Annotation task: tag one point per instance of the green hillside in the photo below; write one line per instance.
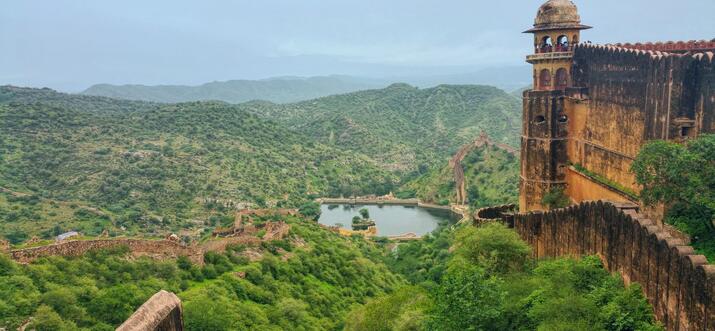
(279, 90)
(155, 166)
(402, 126)
(491, 177)
(307, 281)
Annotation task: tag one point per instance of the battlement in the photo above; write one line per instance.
(691, 46)
(652, 51)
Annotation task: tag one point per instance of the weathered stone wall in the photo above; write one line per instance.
(580, 187)
(674, 46)
(162, 312)
(679, 284)
(543, 146)
(159, 249)
(634, 96)
(491, 213)
(622, 98)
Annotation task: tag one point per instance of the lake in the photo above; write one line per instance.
(391, 220)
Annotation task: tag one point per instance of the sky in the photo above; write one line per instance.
(69, 45)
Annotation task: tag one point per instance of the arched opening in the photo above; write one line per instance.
(545, 79)
(562, 44)
(574, 40)
(539, 119)
(546, 45)
(563, 118)
(562, 79)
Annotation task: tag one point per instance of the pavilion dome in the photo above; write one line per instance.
(558, 14)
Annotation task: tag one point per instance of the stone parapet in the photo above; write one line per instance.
(679, 284)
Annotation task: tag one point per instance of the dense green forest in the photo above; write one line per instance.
(278, 90)
(491, 177)
(481, 278)
(307, 281)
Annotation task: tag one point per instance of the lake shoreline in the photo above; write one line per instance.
(457, 209)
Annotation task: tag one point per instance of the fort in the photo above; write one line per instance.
(595, 106)
(591, 110)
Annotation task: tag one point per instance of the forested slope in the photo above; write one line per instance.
(160, 164)
(403, 126)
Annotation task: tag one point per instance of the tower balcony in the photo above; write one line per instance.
(549, 56)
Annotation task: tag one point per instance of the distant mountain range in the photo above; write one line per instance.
(295, 89)
(278, 90)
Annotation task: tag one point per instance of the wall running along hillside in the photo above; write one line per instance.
(679, 284)
(156, 249)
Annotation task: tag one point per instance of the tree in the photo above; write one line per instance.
(494, 246)
(310, 210)
(46, 319)
(364, 213)
(466, 299)
(682, 177)
(404, 309)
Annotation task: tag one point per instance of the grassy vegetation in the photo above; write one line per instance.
(605, 181)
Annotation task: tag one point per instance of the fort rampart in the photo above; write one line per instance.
(158, 249)
(679, 284)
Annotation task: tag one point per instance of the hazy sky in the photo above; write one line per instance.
(71, 44)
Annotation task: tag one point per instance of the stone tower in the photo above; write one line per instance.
(556, 30)
(545, 125)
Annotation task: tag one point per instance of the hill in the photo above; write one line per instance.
(403, 127)
(88, 163)
(279, 90)
(154, 167)
(491, 177)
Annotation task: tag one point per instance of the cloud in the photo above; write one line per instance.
(487, 47)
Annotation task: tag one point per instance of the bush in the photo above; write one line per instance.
(494, 246)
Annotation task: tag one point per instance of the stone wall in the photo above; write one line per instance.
(679, 284)
(633, 96)
(488, 214)
(162, 312)
(580, 187)
(159, 249)
(674, 46)
(622, 98)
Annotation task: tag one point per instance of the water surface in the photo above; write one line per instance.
(391, 220)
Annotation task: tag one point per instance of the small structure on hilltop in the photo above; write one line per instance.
(67, 235)
(244, 219)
